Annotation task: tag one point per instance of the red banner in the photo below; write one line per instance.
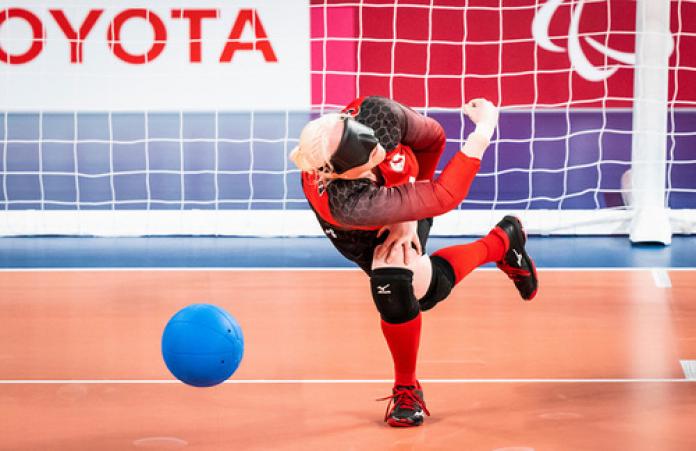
(550, 54)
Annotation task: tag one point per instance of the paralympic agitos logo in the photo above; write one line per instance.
(76, 34)
(578, 58)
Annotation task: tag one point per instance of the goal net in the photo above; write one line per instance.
(596, 135)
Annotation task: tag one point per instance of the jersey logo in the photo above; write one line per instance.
(330, 232)
(397, 162)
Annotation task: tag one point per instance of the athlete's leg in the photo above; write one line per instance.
(435, 276)
(504, 245)
(394, 292)
(464, 258)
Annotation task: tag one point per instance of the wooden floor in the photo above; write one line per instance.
(593, 363)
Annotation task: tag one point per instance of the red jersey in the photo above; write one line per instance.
(405, 190)
(399, 167)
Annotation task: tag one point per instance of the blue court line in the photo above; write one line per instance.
(208, 252)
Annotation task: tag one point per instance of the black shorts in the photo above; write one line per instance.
(359, 245)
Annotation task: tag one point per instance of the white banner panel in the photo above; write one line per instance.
(154, 55)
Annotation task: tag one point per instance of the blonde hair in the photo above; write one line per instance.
(313, 154)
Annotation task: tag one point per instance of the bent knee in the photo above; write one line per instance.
(418, 264)
(392, 292)
(441, 283)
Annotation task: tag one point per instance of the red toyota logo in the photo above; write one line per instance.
(195, 17)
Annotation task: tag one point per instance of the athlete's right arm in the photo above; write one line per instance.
(363, 203)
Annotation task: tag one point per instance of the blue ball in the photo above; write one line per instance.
(202, 345)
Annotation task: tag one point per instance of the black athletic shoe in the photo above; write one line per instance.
(516, 263)
(407, 406)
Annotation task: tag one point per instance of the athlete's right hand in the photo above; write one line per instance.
(482, 111)
(484, 114)
(401, 237)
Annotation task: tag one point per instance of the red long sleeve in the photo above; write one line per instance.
(362, 203)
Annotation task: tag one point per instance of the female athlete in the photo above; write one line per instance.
(368, 175)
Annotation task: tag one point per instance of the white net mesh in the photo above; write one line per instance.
(562, 72)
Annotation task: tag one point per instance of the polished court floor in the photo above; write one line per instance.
(596, 362)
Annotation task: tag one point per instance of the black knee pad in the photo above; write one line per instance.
(441, 283)
(392, 291)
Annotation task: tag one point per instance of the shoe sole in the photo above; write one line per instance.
(402, 424)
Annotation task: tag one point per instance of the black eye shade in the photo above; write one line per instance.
(355, 147)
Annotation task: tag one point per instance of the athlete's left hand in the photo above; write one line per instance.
(402, 236)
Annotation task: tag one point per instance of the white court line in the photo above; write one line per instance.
(661, 278)
(689, 368)
(347, 381)
(304, 268)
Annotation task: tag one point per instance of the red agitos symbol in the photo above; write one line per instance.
(77, 34)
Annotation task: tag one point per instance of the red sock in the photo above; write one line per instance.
(403, 340)
(464, 258)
